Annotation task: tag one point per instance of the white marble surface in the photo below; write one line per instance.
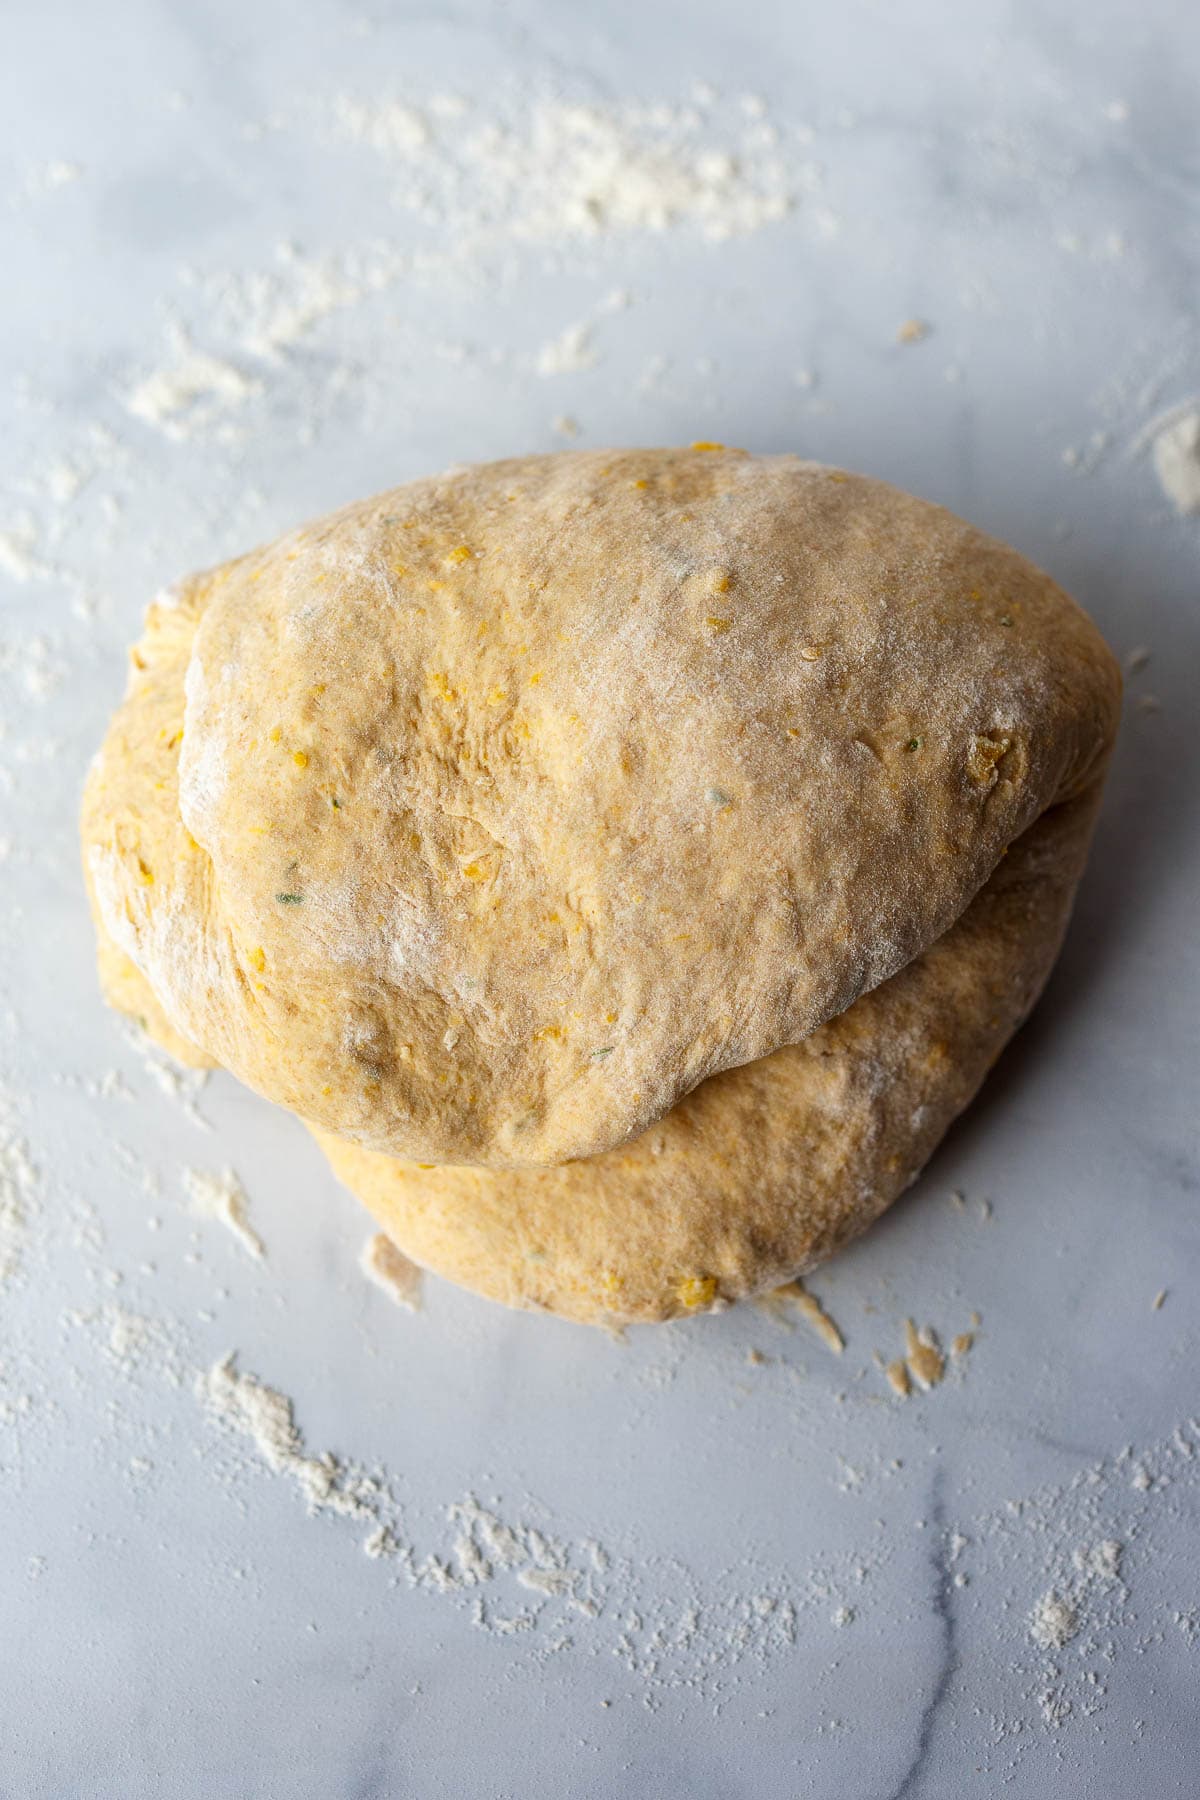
(1024, 178)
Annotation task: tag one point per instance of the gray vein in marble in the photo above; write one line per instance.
(941, 1600)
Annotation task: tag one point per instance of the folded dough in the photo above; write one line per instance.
(482, 822)
(765, 1170)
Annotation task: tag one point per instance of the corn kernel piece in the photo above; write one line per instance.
(705, 444)
(145, 873)
(257, 960)
(300, 759)
(695, 1291)
(716, 625)
(463, 553)
(983, 754)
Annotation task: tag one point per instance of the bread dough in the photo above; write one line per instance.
(484, 820)
(768, 1169)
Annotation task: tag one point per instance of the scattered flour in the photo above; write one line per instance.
(112, 1085)
(1101, 1560)
(1053, 1621)
(32, 660)
(692, 1635)
(171, 1078)
(571, 351)
(553, 170)
(222, 1196)
(268, 312)
(696, 1632)
(265, 1416)
(48, 177)
(191, 391)
(388, 126)
(19, 1182)
(388, 1267)
(1177, 461)
(131, 1343)
(20, 558)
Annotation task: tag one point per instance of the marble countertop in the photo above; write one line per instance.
(261, 259)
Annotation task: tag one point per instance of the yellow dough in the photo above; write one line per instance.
(483, 821)
(768, 1169)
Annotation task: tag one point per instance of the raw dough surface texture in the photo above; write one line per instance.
(483, 821)
(768, 1169)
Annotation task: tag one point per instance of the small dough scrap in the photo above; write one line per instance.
(384, 1264)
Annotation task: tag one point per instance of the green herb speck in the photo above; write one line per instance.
(914, 743)
(605, 1050)
(335, 803)
(290, 899)
(1004, 619)
(716, 797)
